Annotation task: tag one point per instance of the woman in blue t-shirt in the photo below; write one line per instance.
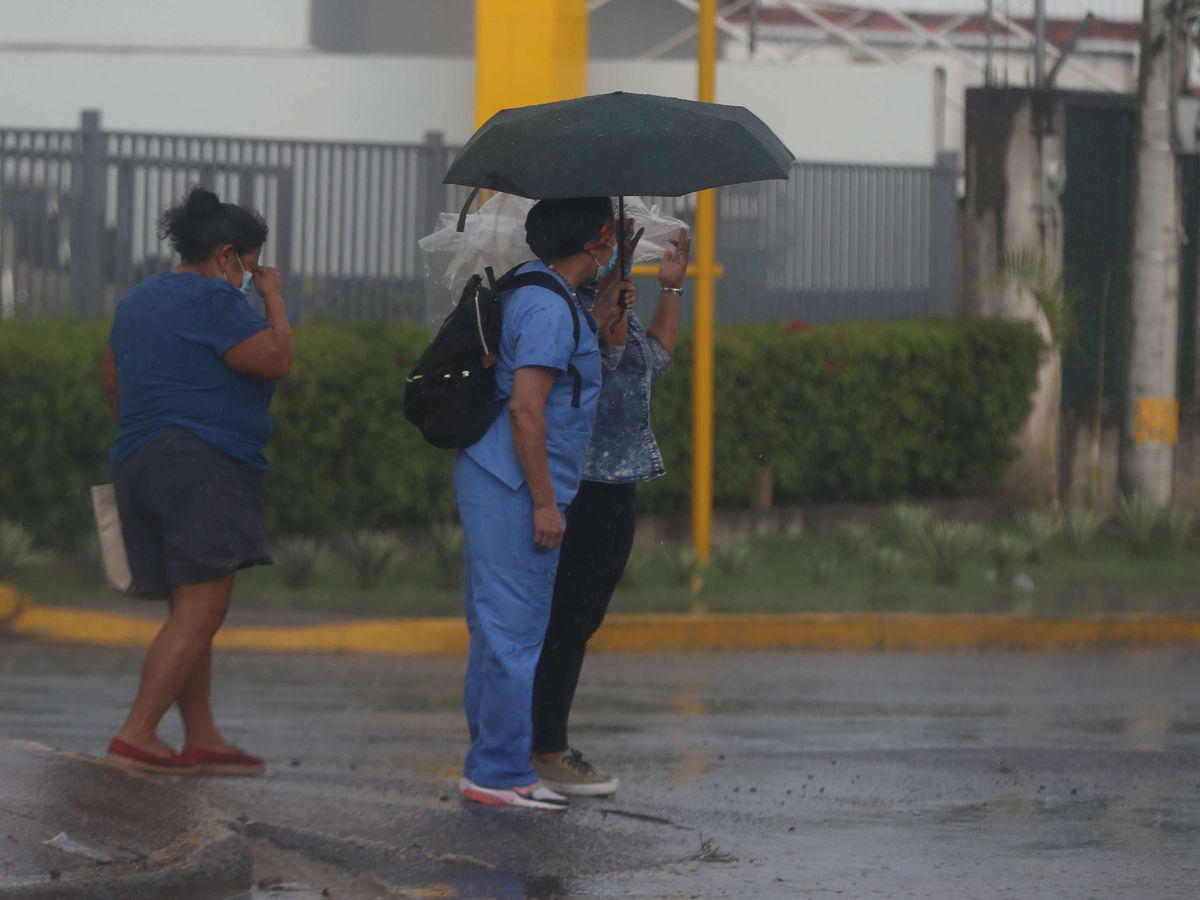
(189, 375)
(513, 486)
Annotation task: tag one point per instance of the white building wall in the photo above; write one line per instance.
(261, 25)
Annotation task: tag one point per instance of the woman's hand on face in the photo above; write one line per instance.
(673, 268)
(548, 527)
(268, 281)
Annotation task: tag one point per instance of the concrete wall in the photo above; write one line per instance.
(1006, 209)
(824, 112)
(839, 113)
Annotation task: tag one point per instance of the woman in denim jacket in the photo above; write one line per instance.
(600, 524)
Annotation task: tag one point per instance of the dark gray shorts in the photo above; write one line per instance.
(189, 513)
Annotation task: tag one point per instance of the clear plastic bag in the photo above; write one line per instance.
(494, 236)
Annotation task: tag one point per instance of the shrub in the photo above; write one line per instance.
(735, 560)
(447, 543)
(1006, 551)
(683, 564)
(857, 411)
(1079, 528)
(1179, 524)
(856, 541)
(296, 559)
(16, 549)
(1139, 518)
(1039, 529)
(947, 545)
(907, 523)
(371, 554)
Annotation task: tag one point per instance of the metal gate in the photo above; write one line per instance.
(79, 212)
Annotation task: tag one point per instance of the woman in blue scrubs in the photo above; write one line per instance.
(514, 485)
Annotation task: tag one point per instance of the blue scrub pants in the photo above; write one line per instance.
(509, 588)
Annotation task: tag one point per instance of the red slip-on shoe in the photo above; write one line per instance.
(211, 762)
(131, 757)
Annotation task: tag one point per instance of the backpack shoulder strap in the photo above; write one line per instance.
(511, 282)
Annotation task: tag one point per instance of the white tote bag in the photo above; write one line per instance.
(112, 541)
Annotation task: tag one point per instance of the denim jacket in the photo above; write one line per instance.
(623, 449)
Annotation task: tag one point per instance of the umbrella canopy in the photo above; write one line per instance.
(619, 144)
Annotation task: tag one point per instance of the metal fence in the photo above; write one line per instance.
(79, 211)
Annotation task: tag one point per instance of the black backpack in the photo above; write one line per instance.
(451, 393)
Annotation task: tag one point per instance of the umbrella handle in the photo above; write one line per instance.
(462, 216)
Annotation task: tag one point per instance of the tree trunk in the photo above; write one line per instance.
(1151, 405)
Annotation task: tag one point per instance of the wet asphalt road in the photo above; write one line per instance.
(773, 775)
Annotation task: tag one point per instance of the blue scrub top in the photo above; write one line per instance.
(538, 330)
(168, 337)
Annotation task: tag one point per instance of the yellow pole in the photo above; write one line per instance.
(528, 51)
(705, 311)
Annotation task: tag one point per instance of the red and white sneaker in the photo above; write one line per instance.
(533, 796)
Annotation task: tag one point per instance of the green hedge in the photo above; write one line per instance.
(857, 412)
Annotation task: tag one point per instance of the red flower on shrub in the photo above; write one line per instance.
(797, 326)
(830, 367)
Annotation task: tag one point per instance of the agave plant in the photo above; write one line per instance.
(1080, 527)
(946, 546)
(884, 564)
(908, 521)
(1006, 551)
(820, 567)
(1039, 529)
(1139, 517)
(735, 560)
(684, 565)
(1180, 524)
(447, 544)
(371, 554)
(296, 559)
(16, 548)
(856, 541)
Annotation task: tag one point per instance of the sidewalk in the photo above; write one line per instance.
(283, 631)
(114, 835)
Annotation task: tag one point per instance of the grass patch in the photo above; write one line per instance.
(856, 572)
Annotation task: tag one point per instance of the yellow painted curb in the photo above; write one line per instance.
(890, 632)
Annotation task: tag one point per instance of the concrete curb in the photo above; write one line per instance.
(861, 632)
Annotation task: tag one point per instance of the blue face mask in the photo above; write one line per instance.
(247, 278)
(605, 270)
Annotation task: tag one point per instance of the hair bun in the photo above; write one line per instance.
(202, 203)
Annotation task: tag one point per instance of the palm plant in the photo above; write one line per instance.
(855, 541)
(1080, 527)
(1006, 550)
(735, 560)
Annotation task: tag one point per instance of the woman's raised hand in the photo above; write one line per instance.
(673, 268)
(268, 281)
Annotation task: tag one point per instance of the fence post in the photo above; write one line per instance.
(943, 234)
(87, 226)
(432, 162)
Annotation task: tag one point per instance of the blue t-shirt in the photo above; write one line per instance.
(538, 330)
(168, 337)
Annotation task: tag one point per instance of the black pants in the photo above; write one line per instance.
(595, 551)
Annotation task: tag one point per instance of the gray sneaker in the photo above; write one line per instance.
(573, 775)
